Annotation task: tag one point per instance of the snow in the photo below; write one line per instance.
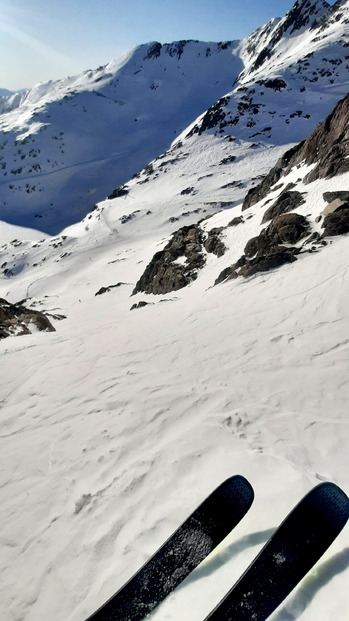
(116, 426)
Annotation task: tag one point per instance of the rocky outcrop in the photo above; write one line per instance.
(121, 190)
(214, 117)
(327, 148)
(342, 195)
(109, 288)
(214, 243)
(337, 223)
(178, 263)
(17, 320)
(303, 13)
(287, 201)
(260, 191)
(265, 252)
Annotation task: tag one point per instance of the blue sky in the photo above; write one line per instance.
(49, 39)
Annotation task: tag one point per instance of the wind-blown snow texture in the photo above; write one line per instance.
(116, 426)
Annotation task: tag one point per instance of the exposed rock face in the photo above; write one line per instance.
(214, 117)
(288, 229)
(263, 253)
(260, 191)
(327, 147)
(303, 13)
(121, 190)
(176, 265)
(16, 320)
(287, 201)
(213, 243)
(337, 223)
(342, 195)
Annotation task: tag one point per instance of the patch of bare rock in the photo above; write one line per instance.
(266, 251)
(178, 263)
(17, 320)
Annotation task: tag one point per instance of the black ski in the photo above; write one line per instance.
(290, 553)
(183, 551)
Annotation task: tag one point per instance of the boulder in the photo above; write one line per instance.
(337, 223)
(331, 196)
(176, 265)
(287, 201)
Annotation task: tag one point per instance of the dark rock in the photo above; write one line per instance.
(287, 201)
(227, 274)
(16, 320)
(274, 258)
(164, 273)
(121, 190)
(236, 221)
(214, 244)
(275, 84)
(109, 288)
(263, 253)
(261, 190)
(154, 51)
(140, 304)
(337, 223)
(327, 147)
(288, 228)
(214, 117)
(228, 160)
(329, 197)
(189, 190)
(257, 245)
(128, 217)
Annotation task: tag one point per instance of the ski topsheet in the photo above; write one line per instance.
(183, 551)
(290, 553)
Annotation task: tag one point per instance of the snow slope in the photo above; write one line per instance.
(70, 142)
(116, 426)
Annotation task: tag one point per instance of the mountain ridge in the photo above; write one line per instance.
(53, 174)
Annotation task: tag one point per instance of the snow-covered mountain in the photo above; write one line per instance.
(67, 144)
(230, 246)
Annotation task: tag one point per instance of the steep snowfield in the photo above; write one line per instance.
(116, 426)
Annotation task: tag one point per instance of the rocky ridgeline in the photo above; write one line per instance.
(287, 235)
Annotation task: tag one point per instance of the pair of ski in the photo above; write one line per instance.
(290, 553)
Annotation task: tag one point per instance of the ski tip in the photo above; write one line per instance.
(333, 498)
(237, 486)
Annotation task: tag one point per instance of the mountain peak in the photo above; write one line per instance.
(303, 13)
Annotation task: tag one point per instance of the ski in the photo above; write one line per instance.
(204, 529)
(290, 553)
